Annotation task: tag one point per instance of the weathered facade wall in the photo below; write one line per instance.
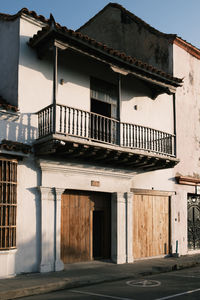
(118, 30)
(155, 180)
(9, 54)
(188, 136)
(187, 112)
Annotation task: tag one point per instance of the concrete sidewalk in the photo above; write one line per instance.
(80, 274)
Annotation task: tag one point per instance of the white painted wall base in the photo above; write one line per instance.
(119, 259)
(118, 233)
(7, 263)
(47, 267)
(59, 266)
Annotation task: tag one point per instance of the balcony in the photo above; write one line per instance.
(75, 133)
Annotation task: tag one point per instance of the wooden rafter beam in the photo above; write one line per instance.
(102, 155)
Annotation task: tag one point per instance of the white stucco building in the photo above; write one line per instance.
(90, 143)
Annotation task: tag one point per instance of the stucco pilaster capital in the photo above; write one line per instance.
(58, 193)
(118, 197)
(47, 193)
(175, 196)
(129, 196)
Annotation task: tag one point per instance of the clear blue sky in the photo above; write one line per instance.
(181, 17)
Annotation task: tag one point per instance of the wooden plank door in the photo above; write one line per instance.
(77, 231)
(75, 227)
(150, 225)
(160, 234)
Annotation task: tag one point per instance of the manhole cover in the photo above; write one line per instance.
(144, 283)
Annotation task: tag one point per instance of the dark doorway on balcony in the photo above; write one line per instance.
(104, 111)
(101, 108)
(101, 123)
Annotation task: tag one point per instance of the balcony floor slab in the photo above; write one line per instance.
(78, 149)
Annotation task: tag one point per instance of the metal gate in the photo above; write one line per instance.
(193, 222)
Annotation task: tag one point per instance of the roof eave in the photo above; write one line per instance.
(194, 51)
(52, 34)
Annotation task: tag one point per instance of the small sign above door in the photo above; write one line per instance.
(95, 183)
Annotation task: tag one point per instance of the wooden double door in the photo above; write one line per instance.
(85, 226)
(150, 225)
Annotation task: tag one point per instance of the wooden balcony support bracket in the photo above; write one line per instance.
(138, 160)
(161, 164)
(113, 156)
(123, 158)
(102, 155)
(149, 163)
(45, 148)
(90, 153)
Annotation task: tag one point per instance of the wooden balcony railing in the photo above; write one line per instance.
(79, 123)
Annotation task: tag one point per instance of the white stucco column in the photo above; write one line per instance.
(58, 262)
(47, 229)
(173, 222)
(118, 228)
(129, 227)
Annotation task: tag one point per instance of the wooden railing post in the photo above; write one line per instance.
(119, 109)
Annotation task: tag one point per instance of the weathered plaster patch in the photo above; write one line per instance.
(191, 78)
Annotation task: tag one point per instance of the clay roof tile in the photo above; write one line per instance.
(7, 106)
(15, 146)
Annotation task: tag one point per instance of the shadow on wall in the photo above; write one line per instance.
(28, 254)
(73, 68)
(22, 129)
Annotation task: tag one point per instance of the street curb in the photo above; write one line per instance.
(74, 283)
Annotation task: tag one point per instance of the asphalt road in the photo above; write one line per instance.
(184, 285)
